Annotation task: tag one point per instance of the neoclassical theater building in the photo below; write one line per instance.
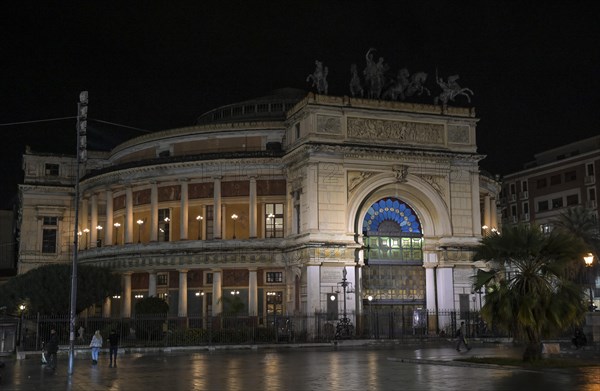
(282, 201)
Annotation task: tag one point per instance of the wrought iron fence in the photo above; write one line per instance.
(168, 331)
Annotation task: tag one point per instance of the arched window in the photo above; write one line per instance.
(392, 233)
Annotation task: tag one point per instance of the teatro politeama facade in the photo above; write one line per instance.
(283, 201)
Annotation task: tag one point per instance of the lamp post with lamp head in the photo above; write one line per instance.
(234, 217)
(117, 225)
(199, 220)
(589, 261)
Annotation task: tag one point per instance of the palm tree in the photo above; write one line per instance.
(528, 294)
(582, 224)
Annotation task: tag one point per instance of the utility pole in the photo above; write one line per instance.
(82, 108)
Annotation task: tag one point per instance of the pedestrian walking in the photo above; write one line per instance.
(113, 339)
(52, 349)
(96, 344)
(461, 337)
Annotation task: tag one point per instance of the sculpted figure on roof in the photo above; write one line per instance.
(319, 78)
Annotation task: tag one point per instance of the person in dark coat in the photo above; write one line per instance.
(52, 348)
(113, 339)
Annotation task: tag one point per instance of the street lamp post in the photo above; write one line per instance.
(139, 223)
(117, 225)
(370, 298)
(98, 239)
(86, 231)
(271, 218)
(199, 220)
(234, 217)
(344, 327)
(22, 308)
(589, 260)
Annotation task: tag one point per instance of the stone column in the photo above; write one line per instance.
(493, 213)
(445, 286)
(108, 230)
(487, 217)
(151, 283)
(183, 223)
(217, 232)
(183, 294)
(312, 197)
(217, 288)
(475, 203)
(84, 215)
(94, 223)
(128, 229)
(223, 221)
(154, 212)
(203, 222)
(106, 308)
(126, 297)
(252, 293)
(252, 206)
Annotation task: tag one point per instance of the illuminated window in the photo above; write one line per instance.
(274, 277)
(274, 220)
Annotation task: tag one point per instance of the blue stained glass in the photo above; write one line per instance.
(397, 211)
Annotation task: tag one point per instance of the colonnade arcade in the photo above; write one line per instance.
(132, 218)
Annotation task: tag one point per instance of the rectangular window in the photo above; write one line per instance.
(275, 303)
(555, 180)
(589, 169)
(297, 130)
(557, 203)
(523, 185)
(209, 222)
(52, 169)
(274, 277)
(49, 234)
(543, 206)
(572, 199)
(513, 189)
(162, 279)
(541, 183)
(525, 207)
(209, 278)
(592, 194)
(513, 210)
(49, 241)
(274, 220)
(570, 176)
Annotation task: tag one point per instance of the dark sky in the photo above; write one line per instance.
(534, 66)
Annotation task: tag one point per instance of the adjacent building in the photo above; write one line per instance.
(557, 179)
(286, 202)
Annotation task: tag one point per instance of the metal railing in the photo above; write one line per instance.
(169, 331)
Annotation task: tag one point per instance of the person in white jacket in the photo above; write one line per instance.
(96, 344)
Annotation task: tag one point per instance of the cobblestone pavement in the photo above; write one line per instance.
(325, 368)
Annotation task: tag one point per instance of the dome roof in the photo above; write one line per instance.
(269, 107)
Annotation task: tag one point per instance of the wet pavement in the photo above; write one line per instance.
(331, 367)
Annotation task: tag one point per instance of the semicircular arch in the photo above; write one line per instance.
(426, 202)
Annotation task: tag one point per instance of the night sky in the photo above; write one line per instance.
(533, 66)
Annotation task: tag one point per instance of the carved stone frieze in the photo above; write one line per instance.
(355, 178)
(328, 124)
(436, 182)
(387, 131)
(458, 134)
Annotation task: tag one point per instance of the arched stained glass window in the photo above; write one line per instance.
(390, 215)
